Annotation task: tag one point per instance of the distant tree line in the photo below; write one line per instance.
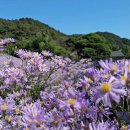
(36, 36)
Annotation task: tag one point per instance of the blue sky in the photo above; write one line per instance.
(73, 16)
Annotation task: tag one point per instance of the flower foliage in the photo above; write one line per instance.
(51, 93)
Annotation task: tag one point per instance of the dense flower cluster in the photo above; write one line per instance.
(49, 92)
(7, 40)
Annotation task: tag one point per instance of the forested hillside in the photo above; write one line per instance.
(36, 36)
(33, 35)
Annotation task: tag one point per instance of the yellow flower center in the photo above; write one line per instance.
(43, 66)
(56, 122)
(125, 127)
(4, 107)
(36, 56)
(12, 70)
(37, 121)
(43, 127)
(124, 78)
(87, 87)
(26, 129)
(14, 78)
(90, 80)
(17, 111)
(107, 75)
(30, 121)
(32, 63)
(29, 54)
(10, 83)
(46, 54)
(17, 94)
(34, 113)
(114, 67)
(69, 89)
(105, 87)
(71, 101)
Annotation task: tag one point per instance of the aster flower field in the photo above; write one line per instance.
(49, 92)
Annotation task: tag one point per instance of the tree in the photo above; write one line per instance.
(90, 53)
(94, 38)
(102, 50)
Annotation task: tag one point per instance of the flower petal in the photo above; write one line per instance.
(115, 97)
(120, 91)
(107, 100)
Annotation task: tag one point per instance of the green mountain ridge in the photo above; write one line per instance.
(35, 36)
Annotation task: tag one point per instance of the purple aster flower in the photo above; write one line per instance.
(125, 78)
(25, 101)
(47, 53)
(36, 56)
(108, 91)
(14, 95)
(6, 105)
(110, 66)
(43, 67)
(17, 94)
(85, 83)
(92, 73)
(21, 53)
(28, 54)
(32, 115)
(59, 61)
(4, 125)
